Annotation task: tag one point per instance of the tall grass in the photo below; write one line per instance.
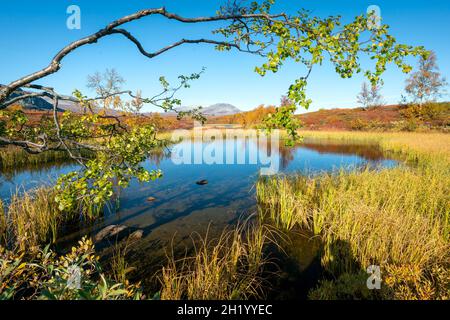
(283, 209)
(34, 217)
(12, 157)
(120, 267)
(396, 218)
(427, 148)
(3, 225)
(223, 268)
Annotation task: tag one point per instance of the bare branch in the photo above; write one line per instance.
(178, 43)
(30, 147)
(55, 63)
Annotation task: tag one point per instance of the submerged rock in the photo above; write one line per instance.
(109, 232)
(114, 235)
(202, 182)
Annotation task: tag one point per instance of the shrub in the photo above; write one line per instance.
(44, 275)
(359, 124)
(425, 112)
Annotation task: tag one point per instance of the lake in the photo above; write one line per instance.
(229, 192)
(181, 207)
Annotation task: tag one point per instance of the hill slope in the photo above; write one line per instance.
(384, 117)
(392, 117)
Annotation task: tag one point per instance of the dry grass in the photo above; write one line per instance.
(224, 268)
(33, 218)
(394, 218)
(410, 144)
(14, 157)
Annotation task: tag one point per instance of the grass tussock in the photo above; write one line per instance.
(224, 268)
(120, 268)
(34, 217)
(395, 218)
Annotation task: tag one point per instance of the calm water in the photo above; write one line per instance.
(183, 208)
(229, 192)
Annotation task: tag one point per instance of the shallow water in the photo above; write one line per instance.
(183, 208)
(229, 190)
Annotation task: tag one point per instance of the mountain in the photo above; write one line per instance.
(33, 103)
(44, 103)
(218, 109)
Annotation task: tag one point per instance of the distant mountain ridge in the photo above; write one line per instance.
(221, 109)
(33, 103)
(218, 109)
(44, 103)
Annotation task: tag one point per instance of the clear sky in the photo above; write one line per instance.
(33, 31)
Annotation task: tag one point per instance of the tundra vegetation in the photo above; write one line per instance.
(109, 138)
(397, 218)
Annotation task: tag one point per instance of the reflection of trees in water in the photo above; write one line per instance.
(47, 169)
(8, 174)
(159, 155)
(286, 155)
(368, 152)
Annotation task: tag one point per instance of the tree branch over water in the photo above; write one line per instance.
(110, 29)
(121, 144)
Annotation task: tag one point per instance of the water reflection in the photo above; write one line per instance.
(368, 152)
(182, 207)
(230, 182)
(229, 193)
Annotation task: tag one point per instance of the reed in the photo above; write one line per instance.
(424, 147)
(282, 210)
(394, 218)
(223, 268)
(120, 267)
(34, 217)
(13, 157)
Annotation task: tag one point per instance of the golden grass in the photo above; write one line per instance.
(412, 145)
(33, 218)
(223, 268)
(119, 264)
(395, 218)
(14, 157)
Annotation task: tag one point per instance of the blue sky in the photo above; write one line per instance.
(34, 31)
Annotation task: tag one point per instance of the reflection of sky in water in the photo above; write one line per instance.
(230, 189)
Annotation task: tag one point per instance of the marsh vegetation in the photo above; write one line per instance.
(337, 222)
